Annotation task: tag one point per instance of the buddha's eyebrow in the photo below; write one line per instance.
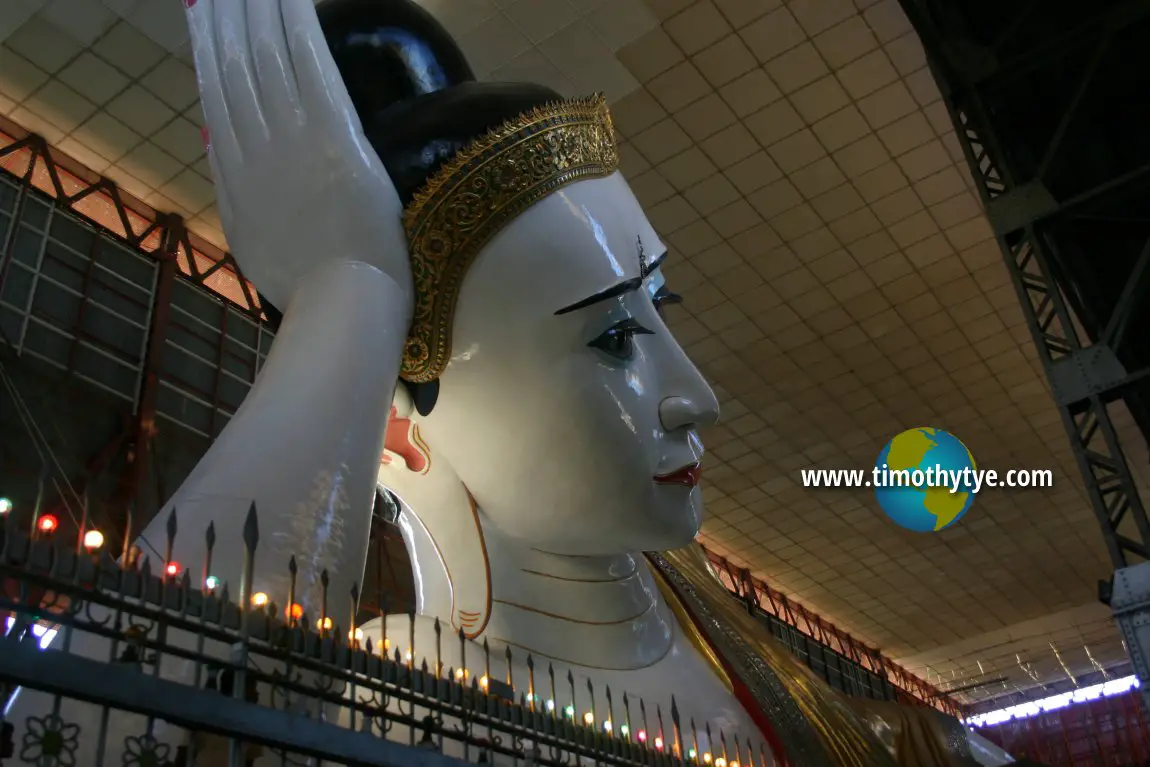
(624, 287)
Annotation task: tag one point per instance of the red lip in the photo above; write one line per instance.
(688, 476)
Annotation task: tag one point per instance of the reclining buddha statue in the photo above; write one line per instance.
(473, 306)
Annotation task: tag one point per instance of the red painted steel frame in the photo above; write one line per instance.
(99, 201)
(163, 236)
(741, 582)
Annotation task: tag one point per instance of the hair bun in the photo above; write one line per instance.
(412, 87)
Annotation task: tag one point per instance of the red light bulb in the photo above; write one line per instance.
(173, 569)
(47, 524)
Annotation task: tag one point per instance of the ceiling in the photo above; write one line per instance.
(841, 284)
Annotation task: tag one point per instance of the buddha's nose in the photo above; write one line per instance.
(687, 412)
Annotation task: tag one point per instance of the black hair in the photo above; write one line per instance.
(412, 87)
(417, 98)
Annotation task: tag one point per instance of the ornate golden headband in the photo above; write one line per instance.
(472, 197)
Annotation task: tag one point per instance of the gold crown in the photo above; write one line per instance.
(472, 197)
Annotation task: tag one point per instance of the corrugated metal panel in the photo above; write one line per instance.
(72, 297)
(82, 300)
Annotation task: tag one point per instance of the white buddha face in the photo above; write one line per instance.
(568, 409)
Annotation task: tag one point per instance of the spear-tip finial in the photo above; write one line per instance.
(251, 528)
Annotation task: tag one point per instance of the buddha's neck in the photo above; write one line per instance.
(598, 612)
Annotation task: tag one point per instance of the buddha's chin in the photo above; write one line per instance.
(680, 516)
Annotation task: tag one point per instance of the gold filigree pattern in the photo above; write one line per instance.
(471, 198)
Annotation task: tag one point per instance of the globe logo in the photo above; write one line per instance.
(924, 479)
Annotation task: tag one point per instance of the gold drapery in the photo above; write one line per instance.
(815, 725)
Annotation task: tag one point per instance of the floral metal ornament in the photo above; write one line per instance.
(49, 741)
(145, 751)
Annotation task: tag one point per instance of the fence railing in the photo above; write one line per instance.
(152, 664)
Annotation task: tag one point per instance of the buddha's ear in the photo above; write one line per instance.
(411, 398)
(421, 395)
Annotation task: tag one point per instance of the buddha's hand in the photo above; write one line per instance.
(299, 186)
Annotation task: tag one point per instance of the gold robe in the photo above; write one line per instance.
(802, 717)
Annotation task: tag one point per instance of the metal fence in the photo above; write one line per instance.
(131, 663)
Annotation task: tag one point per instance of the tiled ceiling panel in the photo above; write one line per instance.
(111, 83)
(841, 284)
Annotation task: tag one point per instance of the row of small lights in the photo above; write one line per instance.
(94, 540)
(48, 524)
(589, 720)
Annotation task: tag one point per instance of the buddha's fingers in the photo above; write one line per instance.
(201, 27)
(223, 201)
(322, 92)
(275, 72)
(238, 75)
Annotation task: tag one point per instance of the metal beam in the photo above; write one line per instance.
(17, 215)
(1084, 395)
(1115, 332)
(144, 419)
(1055, 146)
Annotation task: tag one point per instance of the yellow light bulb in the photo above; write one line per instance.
(588, 718)
(259, 599)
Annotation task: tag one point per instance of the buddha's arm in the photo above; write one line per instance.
(304, 447)
(315, 223)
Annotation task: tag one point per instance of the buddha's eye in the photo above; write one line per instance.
(616, 340)
(664, 297)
